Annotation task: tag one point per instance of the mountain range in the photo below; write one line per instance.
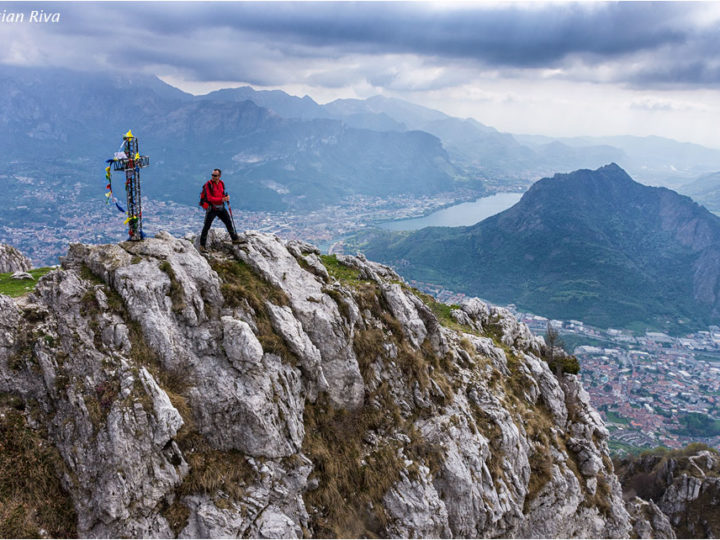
(289, 153)
(50, 116)
(590, 245)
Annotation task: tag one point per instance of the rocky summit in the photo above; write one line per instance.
(266, 390)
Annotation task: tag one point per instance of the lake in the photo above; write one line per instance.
(459, 215)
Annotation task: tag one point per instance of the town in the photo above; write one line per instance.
(96, 222)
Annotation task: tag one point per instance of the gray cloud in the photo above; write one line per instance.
(271, 43)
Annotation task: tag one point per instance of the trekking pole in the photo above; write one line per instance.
(231, 217)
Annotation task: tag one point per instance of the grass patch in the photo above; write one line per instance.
(612, 416)
(100, 401)
(619, 449)
(340, 271)
(442, 311)
(368, 347)
(177, 515)
(340, 300)
(538, 423)
(18, 287)
(240, 282)
(177, 296)
(669, 453)
(214, 472)
(31, 495)
(352, 479)
(89, 275)
(242, 287)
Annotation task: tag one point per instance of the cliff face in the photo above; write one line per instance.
(266, 391)
(683, 484)
(11, 260)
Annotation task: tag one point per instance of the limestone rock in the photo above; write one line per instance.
(648, 520)
(415, 509)
(11, 260)
(683, 485)
(246, 392)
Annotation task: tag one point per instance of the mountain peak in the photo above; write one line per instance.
(592, 245)
(266, 390)
(612, 168)
(612, 172)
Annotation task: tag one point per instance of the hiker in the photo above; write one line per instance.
(213, 199)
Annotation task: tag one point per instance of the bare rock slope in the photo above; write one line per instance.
(11, 260)
(682, 486)
(265, 390)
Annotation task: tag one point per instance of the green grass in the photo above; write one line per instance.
(19, 287)
(338, 270)
(240, 284)
(443, 312)
(177, 296)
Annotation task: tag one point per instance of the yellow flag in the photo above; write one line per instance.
(129, 134)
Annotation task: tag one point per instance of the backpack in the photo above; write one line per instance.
(203, 198)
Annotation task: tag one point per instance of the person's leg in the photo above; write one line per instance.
(209, 217)
(225, 218)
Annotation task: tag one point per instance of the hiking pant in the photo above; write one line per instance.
(210, 216)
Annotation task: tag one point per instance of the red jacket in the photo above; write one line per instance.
(214, 192)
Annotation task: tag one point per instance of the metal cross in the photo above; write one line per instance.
(131, 164)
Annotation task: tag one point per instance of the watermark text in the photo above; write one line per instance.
(34, 16)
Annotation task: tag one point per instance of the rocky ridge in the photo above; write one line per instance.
(682, 487)
(268, 391)
(11, 260)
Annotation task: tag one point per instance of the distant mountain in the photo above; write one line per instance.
(74, 121)
(482, 152)
(48, 113)
(279, 152)
(279, 102)
(650, 160)
(590, 245)
(409, 114)
(469, 143)
(498, 155)
(705, 190)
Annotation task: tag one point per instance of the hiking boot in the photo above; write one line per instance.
(202, 249)
(237, 240)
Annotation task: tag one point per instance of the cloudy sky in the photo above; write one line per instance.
(588, 68)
